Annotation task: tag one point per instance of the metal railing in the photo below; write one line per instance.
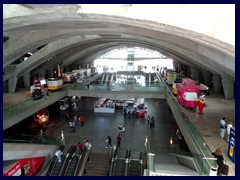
(127, 162)
(141, 163)
(113, 160)
(26, 138)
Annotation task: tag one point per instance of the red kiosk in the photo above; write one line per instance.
(187, 93)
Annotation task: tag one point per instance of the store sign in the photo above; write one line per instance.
(231, 145)
(26, 167)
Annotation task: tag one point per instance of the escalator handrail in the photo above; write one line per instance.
(113, 162)
(68, 164)
(127, 162)
(71, 151)
(141, 163)
(82, 163)
(51, 166)
(79, 160)
(53, 162)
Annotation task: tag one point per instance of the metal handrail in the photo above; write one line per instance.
(79, 161)
(127, 162)
(141, 163)
(83, 162)
(113, 161)
(68, 157)
(53, 162)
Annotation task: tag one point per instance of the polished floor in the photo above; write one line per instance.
(99, 126)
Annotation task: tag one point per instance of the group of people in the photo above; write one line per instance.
(121, 131)
(225, 127)
(74, 121)
(109, 141)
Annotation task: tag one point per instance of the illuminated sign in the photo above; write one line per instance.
(231, 145)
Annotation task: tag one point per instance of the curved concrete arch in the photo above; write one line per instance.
(45, 27)
(172, 31)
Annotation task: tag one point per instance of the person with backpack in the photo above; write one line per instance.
(222, 168)
(109, 141)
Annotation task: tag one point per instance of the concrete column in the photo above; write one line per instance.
(228, 87)
(26, 80)
(184, 68)
(194, 73)
(67, 69)
(188, 71)
(50, 72)
(61, 69)
(217, 85)
(12, 83)
(41, 73)
(207, 78)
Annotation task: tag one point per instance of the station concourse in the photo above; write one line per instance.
(98, 126)
(39, 39)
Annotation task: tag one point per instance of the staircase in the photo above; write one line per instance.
(98, 166)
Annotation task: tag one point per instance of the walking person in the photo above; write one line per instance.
(79, 147)
(123, 129)
(118, 140)
(148, 119)
(81, 119)
(229, 126)
(152, 122)
(58, 154)
(120, 126)
(109, 141)
(145, 114)
(88, 145)
(223, 127)
(72, 125)
(75, 119)
(66, 116)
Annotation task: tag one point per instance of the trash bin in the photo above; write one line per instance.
(213, 170)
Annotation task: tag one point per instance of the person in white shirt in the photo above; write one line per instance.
(58, 154)
(88, 145)
(229, 126)
(223, 125)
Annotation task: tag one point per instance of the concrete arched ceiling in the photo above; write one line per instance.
(76, 37)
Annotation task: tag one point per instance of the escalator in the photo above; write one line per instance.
(134, 168)
(120, 167)
(74, 163)
(107, 78)
(72, 166)
(98, 165)
(131, 165)
(136, 164)
(56, 168)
